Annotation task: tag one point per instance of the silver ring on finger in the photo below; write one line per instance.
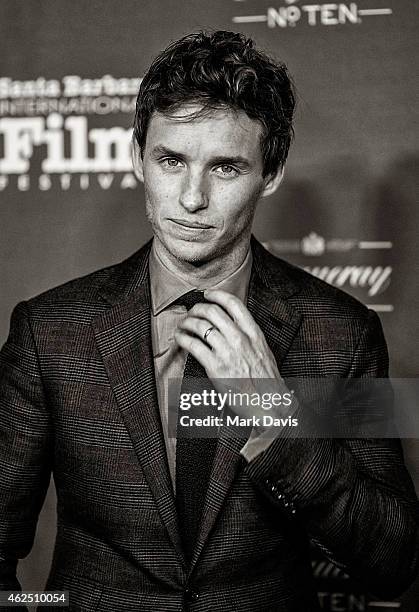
(207, 332)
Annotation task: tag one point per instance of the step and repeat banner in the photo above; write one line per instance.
(70, 203)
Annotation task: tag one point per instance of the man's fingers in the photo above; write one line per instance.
(216, 316)
(204, 329)
(235, 309)
(201, 351)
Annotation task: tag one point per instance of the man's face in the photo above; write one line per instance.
(202, 180)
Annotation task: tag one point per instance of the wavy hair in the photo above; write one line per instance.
(221, 70)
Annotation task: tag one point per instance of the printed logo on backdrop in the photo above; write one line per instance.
(291, 13)
(370, 281)
(335, 592)
(62, 133)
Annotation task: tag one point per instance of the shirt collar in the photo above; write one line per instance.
(166, 287)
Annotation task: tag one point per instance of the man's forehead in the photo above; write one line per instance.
(197, 115)
(230, 126)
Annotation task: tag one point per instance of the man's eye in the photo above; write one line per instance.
(172, 162)
(227, 170)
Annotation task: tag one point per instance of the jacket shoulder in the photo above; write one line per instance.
(86, 291)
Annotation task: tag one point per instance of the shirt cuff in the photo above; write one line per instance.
(257, 443)
(260, 438)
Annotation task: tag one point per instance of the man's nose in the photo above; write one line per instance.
(193, 195)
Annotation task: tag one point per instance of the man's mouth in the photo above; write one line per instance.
(191, 224)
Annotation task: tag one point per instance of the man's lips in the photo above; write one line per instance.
(192, 224)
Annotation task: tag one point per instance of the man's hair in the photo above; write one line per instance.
(221, 70)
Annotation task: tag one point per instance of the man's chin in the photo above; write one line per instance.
(192, 252)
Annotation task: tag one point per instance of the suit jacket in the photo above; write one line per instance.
(78, 399)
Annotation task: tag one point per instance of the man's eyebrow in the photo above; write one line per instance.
(217, 159)
(230, 159)
(162, 150)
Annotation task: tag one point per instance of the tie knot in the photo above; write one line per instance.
(190, 299)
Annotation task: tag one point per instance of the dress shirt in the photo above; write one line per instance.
(169, 358)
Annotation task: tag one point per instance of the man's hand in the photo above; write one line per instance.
(234, 349)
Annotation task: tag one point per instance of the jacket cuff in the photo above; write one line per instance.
(292, 471)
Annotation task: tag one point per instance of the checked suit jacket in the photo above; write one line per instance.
(78, 400)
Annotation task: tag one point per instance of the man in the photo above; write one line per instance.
(148, 523)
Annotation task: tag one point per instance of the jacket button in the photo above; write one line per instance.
(191, 596)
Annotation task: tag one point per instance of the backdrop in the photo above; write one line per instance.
(69, 73)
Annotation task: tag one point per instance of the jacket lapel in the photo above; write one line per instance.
(123, 335)
(267, 303)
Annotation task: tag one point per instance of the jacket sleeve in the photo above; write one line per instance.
(25, 437)
(354, 497)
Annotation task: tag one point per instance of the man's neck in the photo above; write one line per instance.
(205, 274)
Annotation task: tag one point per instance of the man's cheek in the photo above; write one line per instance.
(237, 221)
(159, 202)
(150, 208)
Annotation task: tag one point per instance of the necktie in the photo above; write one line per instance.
(194, 456)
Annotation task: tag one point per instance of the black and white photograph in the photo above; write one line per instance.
(209, 356)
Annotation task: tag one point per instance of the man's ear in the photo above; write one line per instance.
(272, 182)
(137, 160)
